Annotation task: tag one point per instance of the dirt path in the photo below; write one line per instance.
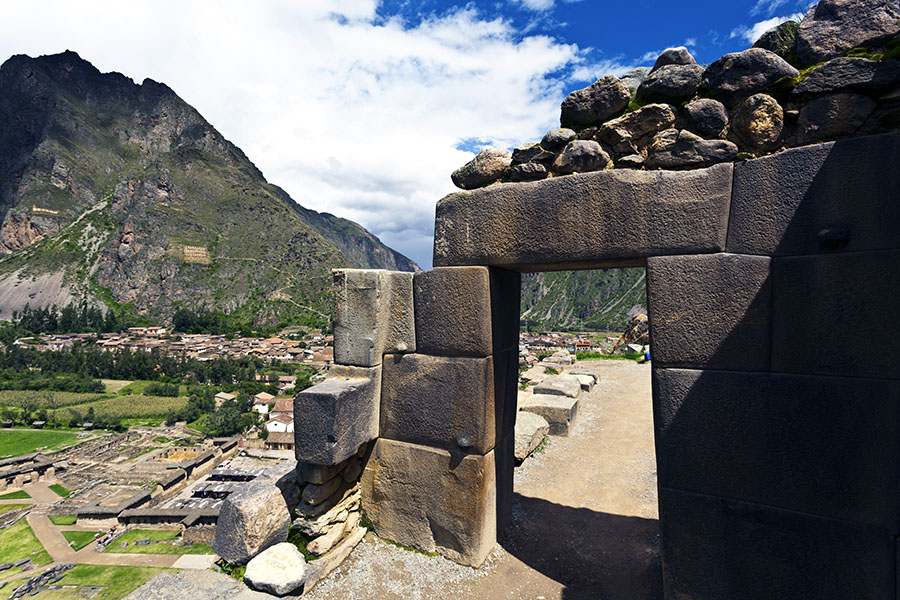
(585, 518)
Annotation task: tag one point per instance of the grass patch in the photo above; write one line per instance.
(297, 538)
(19, 495)
(162, 440)
(600, 356)
(155, 535)
(17, 542)
(551, 371)
(79, 539)
(63, 519)
(15, 442)
(116, 581)
(114, 386)
(5, 508)
(60, 490)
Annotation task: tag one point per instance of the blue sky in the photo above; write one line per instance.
(363, 108)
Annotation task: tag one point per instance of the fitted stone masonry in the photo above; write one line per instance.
(774, 304)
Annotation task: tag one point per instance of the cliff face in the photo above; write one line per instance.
(126, 195)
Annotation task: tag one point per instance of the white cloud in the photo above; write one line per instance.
(690, 42)
(536, 5)
(751, 33)
(766, 7)
(356, 115)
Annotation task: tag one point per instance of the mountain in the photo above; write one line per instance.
(124, 196)
(582, 300)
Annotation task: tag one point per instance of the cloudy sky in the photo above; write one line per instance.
(363, 108)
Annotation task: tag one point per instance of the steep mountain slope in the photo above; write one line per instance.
(590, 300)
(123, 194)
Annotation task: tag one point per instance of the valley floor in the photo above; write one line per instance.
(584, 518)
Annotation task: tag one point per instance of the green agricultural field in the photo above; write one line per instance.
(46, 399)
(132, 407)
(63, 519)
(5, 508)
(60, 490)
(18, 542)
(114, 386)
(138, 388)
(14, 442)
(155, 534)
(79, 539)
(116, 581)
(18, 495)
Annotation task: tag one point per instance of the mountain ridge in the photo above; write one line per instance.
(123, 196)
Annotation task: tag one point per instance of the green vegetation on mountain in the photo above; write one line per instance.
(595, 300)
(123, 197)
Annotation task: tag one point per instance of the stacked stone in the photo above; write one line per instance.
(556, 400)
(678, 115)
(443, 462)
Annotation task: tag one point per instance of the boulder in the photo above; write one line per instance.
(373, 315)
(278, 570)
(673, 149)
(627, 133)
(781, 39)
(250, 520)
(531, 429)
(581, 156)
(530, 171)
(832, 27)
(334, 418)
(759, 121)
(557, 138)
(316, 526)
(672, 81)
(314, 511)
(587, 382)
(532, 153)
(739, 75)
(585, 372)
(709, 117)
(633, 78)
(565, 385)
(630, 161)
(559, 411)
(318, 474)
(595, 103)
(673, 56)
(858, 74)
(488, 166)
(834, 116)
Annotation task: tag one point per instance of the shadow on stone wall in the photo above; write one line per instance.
(593, 554)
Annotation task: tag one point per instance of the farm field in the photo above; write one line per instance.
(15, 442)
(17, 542)
(132, 407)
(45, 399)
(154, 534)
(116, 582)
(113, 386)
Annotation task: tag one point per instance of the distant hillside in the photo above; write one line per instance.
(576, 300)
(124, 196)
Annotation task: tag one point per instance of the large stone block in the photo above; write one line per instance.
(821, 445)
(839, 196)
(563, 385)
(710, 311)
(559, 411)
(506, 289)
(446, 402)
(432, 499)
(593, 219)
(837, 314)
(250, 520)
(716, 549)
(373, 315)
(453, 311)
(334, 418)
(531, 429)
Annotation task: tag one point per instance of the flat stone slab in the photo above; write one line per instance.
(563, 385)
(531, 429)
(559, 411)
(586, 372)
(587, 382)
(589, 219)
(196, 585)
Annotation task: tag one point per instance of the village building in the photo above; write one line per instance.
(261, 402)
(281, 423)
(223, 397)
(280, 441)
